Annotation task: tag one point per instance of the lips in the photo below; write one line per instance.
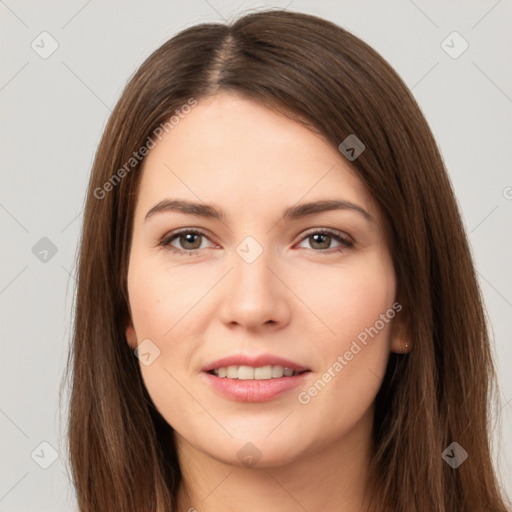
(248, 387)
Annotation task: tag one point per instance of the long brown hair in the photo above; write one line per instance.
(121, 450)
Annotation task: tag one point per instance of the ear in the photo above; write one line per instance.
(400, 335)
(131, 337)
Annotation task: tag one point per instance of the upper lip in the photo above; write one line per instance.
(254, 361)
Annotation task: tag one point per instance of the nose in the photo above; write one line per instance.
(255, 296)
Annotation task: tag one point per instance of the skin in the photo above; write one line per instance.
(302, 299)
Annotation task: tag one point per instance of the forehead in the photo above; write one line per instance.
(232, 150)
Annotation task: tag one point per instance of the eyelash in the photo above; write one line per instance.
(166, 241)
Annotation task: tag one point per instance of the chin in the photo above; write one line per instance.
(256, 451)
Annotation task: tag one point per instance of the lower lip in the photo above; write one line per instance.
(254, 390)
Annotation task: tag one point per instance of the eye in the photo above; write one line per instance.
(190, 241)
(321, 239)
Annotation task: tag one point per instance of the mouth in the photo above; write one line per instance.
(254, 379)
(243, 372)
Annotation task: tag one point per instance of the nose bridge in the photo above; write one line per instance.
(252, 276)
(254, 296)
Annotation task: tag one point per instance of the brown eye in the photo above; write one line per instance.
(322, 240)
(190, 241)
(184, 242)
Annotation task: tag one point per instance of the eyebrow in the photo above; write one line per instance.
(290, 213)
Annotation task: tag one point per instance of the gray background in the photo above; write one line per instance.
(53, 111)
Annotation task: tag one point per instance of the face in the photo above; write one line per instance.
(268, 284)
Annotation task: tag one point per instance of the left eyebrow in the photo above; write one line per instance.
(290, 213)
(302, 210)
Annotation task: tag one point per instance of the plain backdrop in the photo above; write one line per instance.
(54, 107)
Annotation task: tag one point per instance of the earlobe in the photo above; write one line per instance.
(400, 345)
(400, 338)
(131, 337)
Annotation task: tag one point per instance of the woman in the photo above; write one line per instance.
(277, 307)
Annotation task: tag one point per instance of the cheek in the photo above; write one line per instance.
(166, 308)
(351, 298)
(363, 298)
(160, 299)
(358, 308)
(160, 296)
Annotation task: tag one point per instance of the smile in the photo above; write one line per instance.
(243, 372)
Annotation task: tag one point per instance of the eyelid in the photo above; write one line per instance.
(330, 231)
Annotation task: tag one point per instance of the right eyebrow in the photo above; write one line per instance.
(187, 207)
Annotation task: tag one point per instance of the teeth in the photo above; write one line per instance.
(250, 373)
(232, 372)
(245, 372)
(263, 372)
(277, 371)
(288, 372)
